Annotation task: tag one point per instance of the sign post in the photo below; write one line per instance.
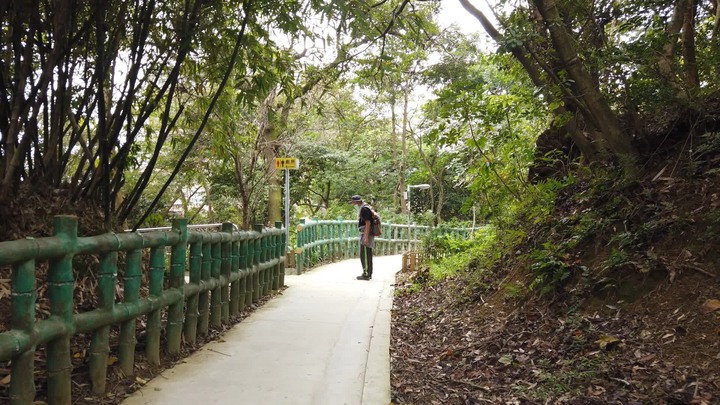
(287, 163)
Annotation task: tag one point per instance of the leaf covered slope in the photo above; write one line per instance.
(611, 299)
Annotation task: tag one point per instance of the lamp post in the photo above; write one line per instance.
(420, 187)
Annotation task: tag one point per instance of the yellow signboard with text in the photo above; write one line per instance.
(290, 163)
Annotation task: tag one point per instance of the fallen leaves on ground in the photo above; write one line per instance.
(446, 351)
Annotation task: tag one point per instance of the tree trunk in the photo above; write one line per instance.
(517, 52)
(435, 180)
(587, 148)
(404, 151)
(715, 38)
(273, 179)
(399, 158)
(584, 88)
(692, 78)
(667, 58)
(440, 201)
(269, 138)
(398, 196)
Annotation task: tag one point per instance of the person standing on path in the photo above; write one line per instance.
(367, 240)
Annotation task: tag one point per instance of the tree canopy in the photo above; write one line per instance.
(142, 105)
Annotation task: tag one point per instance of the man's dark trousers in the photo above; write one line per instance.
(366, 259)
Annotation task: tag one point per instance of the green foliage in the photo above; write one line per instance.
(488, 116)
(450, 266)
(549, 268)
(514, 290)
(441, 241)
(537, 203)
(454, 254)
(343, 151)
(709, 147)
(492, 243)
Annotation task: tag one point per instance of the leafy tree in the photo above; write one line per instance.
(392, 72)
(344, 151)
(485, 116)
(579, 52)
(92, 79)
(84, 84)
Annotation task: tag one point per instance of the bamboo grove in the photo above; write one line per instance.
(87, 86)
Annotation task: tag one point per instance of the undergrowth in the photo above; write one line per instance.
(492, 243)
(594, 229)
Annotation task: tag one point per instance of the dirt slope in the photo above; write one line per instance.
(636, 322)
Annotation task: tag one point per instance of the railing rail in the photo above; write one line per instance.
(326, 240)
(227, 271)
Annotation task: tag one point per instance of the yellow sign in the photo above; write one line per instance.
(287, 163)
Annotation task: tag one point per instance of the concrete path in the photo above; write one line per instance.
(324, 341)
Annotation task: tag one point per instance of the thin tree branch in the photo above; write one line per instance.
(221, 87)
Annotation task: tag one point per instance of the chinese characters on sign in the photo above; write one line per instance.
(287, 163)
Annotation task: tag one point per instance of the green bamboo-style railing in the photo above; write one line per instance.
(326, 241)
(228, 270)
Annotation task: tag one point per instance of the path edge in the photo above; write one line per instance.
(376, 387)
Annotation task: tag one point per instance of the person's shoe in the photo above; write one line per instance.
(363, 277)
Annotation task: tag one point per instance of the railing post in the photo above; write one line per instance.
(152, 332)
(225, 269)
(266, 244)
(262, 273)
(391, 239)
(320, 237)
(308, 248)
(60, 290)
(131, 294)
(394, 232)
(310, 245)
(338, 240)
(191, 313)
(177, 281)
(335, 235)
(22, 374)
(355, 244)
(279, 253)
(347, 236)
(204, 296)
(300, 251)
(235, 270)
(246, 264)
(348, 240)
(100, 342)
(257, 254)
(314, 255)
(215, 295)
(328, 242)
(319, 255)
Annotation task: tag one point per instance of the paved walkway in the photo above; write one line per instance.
(324, 341)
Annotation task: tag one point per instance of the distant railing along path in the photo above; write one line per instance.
(323, 241)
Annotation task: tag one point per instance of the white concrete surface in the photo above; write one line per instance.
(324, 341)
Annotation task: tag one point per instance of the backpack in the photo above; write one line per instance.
(375, 225)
